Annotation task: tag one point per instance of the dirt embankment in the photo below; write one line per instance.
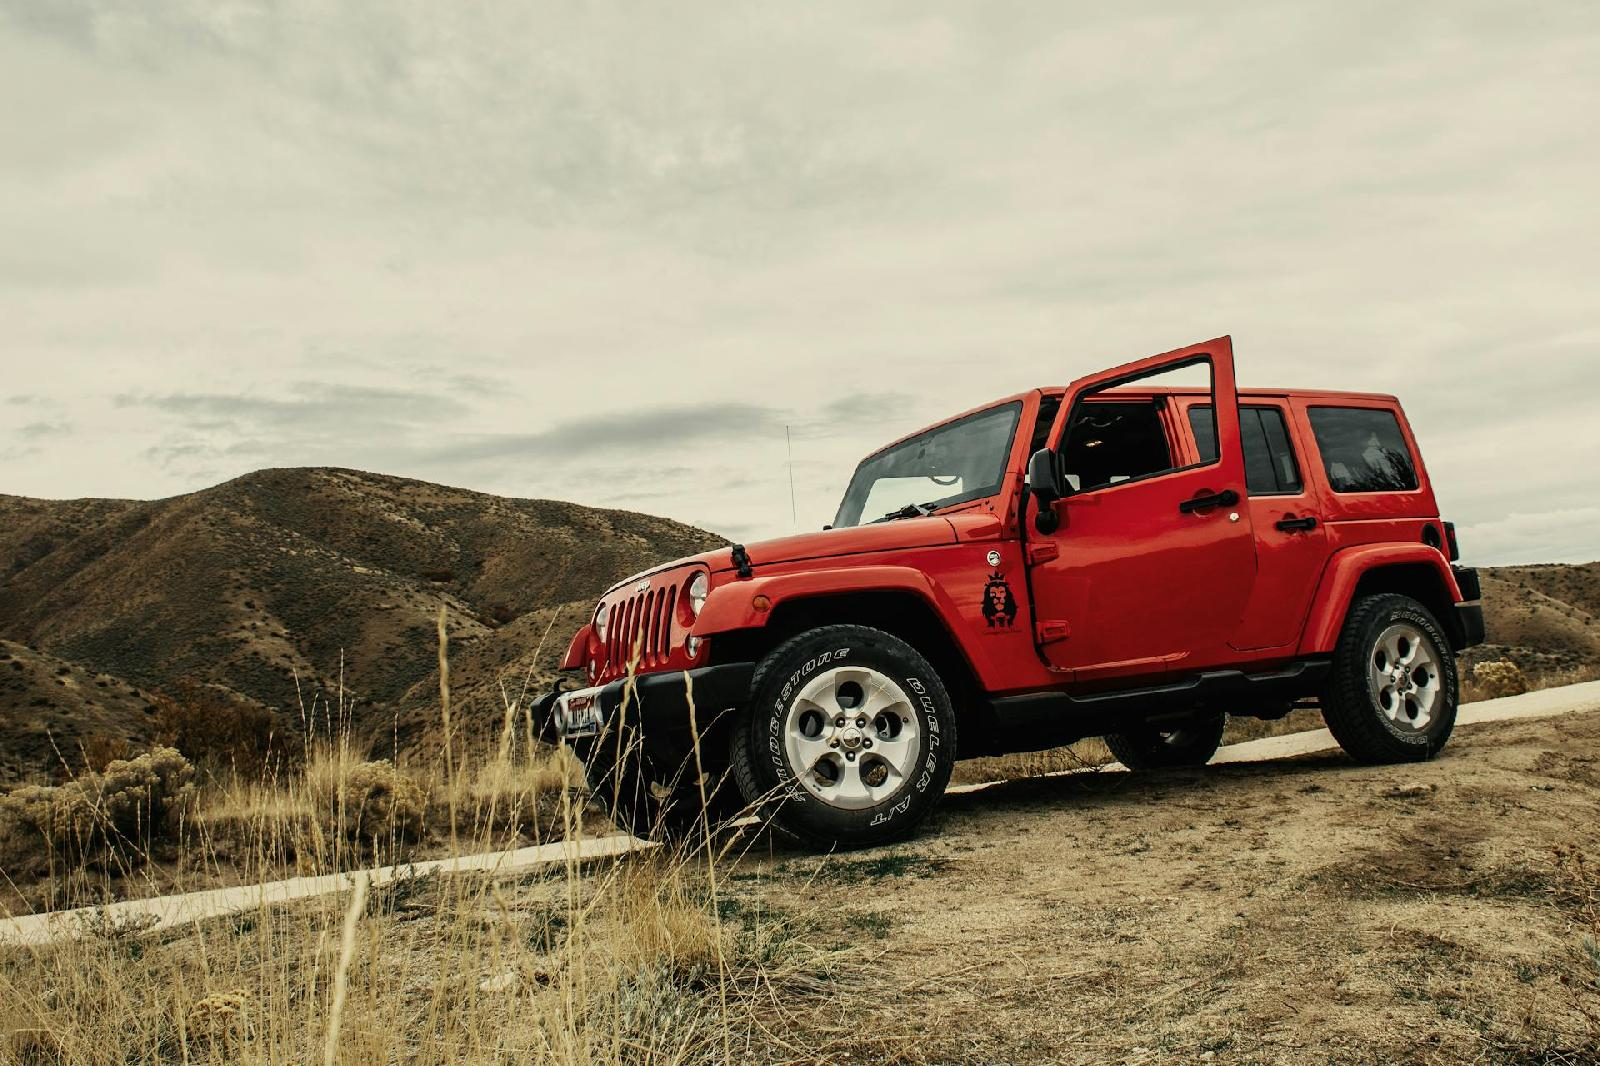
(1309, 910)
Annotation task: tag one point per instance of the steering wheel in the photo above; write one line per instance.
(945, 483)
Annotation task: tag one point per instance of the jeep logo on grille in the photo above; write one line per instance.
(643, 585)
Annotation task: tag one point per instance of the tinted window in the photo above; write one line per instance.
(1363, 449)
(1111, 442)
(1269, 464)
(952, 463)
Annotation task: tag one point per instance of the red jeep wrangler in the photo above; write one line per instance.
(1119, 558)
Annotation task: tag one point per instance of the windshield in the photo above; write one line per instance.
(959, 461)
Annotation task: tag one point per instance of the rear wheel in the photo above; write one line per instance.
(1149, 748)
(1394, 689)
(850, 738)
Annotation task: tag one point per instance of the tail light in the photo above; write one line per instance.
(1453, 550)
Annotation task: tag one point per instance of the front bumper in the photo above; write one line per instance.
(657, 705)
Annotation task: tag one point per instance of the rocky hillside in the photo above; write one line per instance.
(51, 709)
(1543, 618)
(286, 588)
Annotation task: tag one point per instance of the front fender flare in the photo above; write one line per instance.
(1345, 571)
(731, 607)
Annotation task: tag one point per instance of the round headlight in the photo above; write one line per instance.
(600, 617)
(699, 589)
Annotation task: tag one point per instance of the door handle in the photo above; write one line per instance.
(1297, 525)
(1225, 498)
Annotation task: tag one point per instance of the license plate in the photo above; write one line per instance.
(578, 713)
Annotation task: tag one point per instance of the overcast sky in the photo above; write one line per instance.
(607, 253)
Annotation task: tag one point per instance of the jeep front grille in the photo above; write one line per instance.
(643, 624)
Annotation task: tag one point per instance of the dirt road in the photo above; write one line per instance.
(169, 911)
(1298, 910)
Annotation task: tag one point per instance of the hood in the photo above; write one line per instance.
(903, 533)
(880, 537)
(932, 531)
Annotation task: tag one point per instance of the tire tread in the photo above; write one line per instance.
(1346, 705)
(744, 755)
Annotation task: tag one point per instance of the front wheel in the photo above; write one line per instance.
(1149, 748)
(1393, 694)
(850, 737)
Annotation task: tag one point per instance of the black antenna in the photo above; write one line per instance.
(794, 512)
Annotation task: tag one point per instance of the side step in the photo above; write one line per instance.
(1040, 720)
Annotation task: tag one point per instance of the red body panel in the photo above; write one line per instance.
(1346, 569)
(577, 654)
(1128, 587)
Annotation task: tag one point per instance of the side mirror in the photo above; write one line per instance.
(1046, 484)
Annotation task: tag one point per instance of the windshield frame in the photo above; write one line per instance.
(1019, 409)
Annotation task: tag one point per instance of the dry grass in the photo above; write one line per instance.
(339, 811)
(1501, 677)
(641, 960)
(638, 961)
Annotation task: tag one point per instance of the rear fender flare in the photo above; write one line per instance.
(1344, 573)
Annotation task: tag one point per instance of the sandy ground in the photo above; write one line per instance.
(1298, 910)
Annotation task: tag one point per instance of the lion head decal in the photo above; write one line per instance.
(999, 605)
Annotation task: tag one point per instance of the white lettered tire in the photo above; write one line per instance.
(849, 740)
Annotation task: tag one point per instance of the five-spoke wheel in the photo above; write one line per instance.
(1403, 677)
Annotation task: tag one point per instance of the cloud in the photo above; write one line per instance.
(305, 405)
(525, 247)
(1562, 536)
(43, 430)
(657, 430)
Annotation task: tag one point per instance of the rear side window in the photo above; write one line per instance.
(1363, 449)
(1269, 464)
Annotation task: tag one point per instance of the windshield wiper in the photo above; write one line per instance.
(910, 510)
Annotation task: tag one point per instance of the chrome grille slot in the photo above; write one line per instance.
(632, 641)
(653, 605)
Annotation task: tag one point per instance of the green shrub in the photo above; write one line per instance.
(125, 809)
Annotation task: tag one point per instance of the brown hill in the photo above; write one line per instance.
(51, 710)
(1543, 618)
(298, 589)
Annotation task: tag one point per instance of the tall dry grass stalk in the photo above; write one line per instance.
(444, 714)
(635, 960)
(646, 959)
(341, 974)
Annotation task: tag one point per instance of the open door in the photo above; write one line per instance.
(1152, 558)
